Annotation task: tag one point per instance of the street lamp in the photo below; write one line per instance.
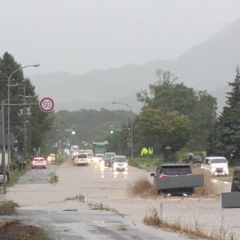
(9, 85)
(131, 125)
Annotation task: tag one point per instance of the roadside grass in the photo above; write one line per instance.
(15, 175)
(154, 217)
(79, 197)
(145, 162)
(7, 207)
(53, 180)
(102, 207)
(15, 229)
(40, 235)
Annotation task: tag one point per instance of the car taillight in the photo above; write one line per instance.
(162, 176)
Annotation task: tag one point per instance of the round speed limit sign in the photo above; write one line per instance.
(46, 105)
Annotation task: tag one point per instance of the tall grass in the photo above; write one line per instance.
(145, 162)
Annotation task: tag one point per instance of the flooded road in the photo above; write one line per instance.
(86, 203)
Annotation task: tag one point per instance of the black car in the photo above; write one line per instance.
(108, 158)
(173, 170)
(236, 180)
(107, 161)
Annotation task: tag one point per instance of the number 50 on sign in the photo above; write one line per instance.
(46, 105)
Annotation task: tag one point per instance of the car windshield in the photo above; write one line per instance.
(38, 159)
(82, 155)
(176, 170)
(110, 155)
(219, 160)
(90, 154)
(120, 159)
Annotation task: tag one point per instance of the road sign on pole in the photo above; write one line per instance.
(46, 105)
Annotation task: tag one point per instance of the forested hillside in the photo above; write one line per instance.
(91, 125)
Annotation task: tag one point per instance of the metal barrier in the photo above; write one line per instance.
(230, 200)
(171, 182)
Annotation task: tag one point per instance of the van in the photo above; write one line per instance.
(81, 159)
(218, 166)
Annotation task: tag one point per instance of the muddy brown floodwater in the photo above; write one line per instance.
(88, 203)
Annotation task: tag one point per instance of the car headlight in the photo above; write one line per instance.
(213, 169)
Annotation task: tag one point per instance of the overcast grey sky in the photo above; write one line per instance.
(82, 35)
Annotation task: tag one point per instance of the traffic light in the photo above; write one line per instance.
(111, 129)
(73, 130)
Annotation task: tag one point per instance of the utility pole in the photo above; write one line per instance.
(25, 120)
(3, 150)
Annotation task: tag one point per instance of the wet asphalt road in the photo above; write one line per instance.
(73, 220)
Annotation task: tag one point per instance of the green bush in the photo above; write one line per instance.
(21, 165)
(13, 166)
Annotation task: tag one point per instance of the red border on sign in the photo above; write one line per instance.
(44, 110)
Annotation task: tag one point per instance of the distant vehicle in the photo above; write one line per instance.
(173, 170)
(81, 159)
(39, 162)
(74, 151)
(236, 180)
(51, 158)
(216, 165)
(108, 158)
(100, 147)
(193, 159)
(120, 163)
(90, 156)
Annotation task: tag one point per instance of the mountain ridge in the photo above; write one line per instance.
(208, 66)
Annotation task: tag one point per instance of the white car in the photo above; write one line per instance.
(39, 162)
(81, 159)
(216, 165)
(120, 163)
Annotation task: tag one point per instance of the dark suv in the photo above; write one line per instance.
(236, 180)
(173, 170)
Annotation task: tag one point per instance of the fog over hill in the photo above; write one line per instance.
(209, 66)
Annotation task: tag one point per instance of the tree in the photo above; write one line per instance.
(39, 123)
(168, 128)
(199, 106)
(228, 124)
